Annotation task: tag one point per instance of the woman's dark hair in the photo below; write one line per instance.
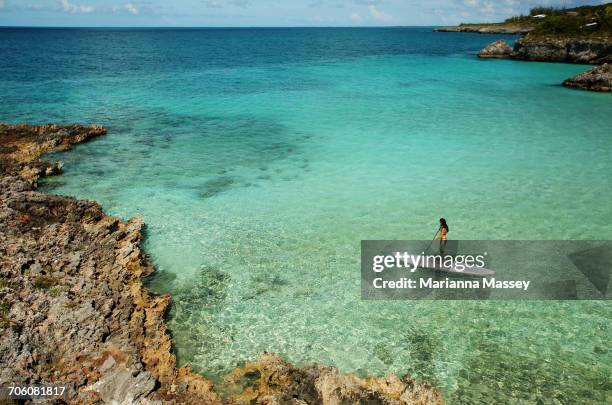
(443, 224)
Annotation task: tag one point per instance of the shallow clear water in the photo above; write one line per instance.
(260, 159)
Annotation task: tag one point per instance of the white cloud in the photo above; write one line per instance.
(356, 18)
(132, 8)
(378, 14)
(223, 4)
(241, 3)
(488, 8)
(77, 8)
(471, 3)
(213, 4)
(2, 3)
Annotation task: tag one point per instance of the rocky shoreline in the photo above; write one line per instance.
(598, 78)
(74, 310)
(595, 79)
(593, 51)
(568, 50)
(581, 35)
(497, 50)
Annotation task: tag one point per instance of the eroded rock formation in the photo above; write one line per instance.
(74, 309)
(270, 380)
(598, 78)
(578, 51)
(498, 49)
(569, 51)
(563, 50)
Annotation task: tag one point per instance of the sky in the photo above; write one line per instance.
(250, 13)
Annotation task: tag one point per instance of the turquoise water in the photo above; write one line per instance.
(260, 159)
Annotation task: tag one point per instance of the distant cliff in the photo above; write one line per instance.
(576, 35)
(568, 50)
(578, 22)
(598, 78)
(507, 29)
(586, 51)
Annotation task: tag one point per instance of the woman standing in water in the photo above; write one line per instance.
(443, 231)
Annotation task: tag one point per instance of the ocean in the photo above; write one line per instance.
(260, 158)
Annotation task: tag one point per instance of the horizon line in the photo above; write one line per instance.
(213, 26)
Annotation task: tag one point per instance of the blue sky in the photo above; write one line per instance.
(230, 13)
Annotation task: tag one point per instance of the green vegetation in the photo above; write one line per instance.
(581, 21)
(44, 282)
(71, 304)
(543, 10)
(585, 21)
(5, 321)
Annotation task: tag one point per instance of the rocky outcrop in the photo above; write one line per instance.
(73, 308)
(270, 380)
(506, 29)
(564, 50)
(568, 51)
(598, 78)
(498, 49)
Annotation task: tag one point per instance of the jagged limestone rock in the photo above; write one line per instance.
(598, 78)
(498, 49)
